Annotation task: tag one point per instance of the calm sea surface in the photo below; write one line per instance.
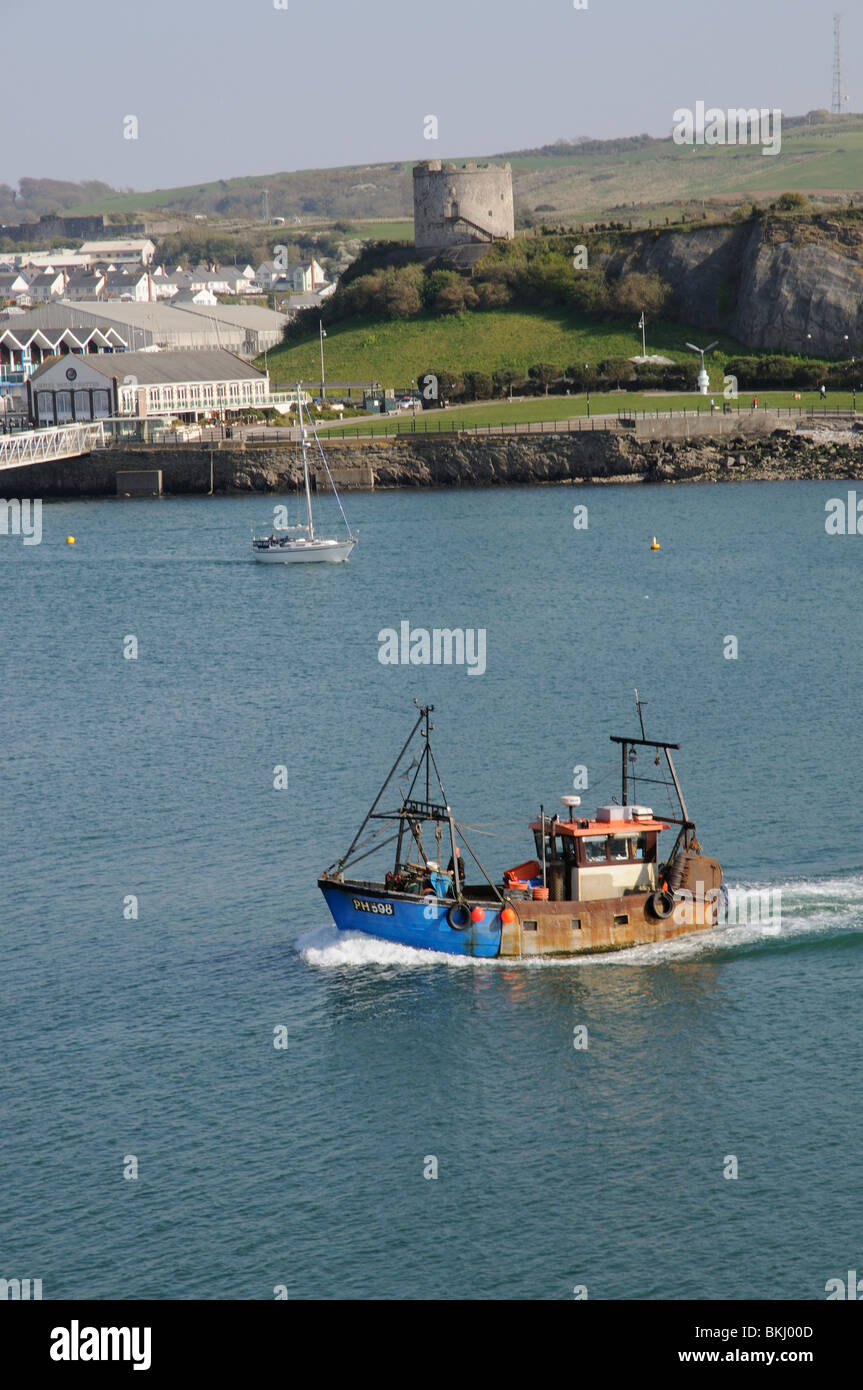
(154, 1037)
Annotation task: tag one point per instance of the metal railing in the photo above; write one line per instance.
(39, 446)
(69, 440)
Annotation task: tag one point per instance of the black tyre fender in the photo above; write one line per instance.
(660, 905)
(458, 916)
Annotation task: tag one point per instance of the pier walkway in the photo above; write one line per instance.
(38, 446)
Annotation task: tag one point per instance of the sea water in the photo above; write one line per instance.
(208, 1092)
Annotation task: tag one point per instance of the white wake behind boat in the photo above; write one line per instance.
(299, 544)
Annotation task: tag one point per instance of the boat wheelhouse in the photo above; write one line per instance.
(597, 884)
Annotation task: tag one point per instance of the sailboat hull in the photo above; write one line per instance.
(295, 552)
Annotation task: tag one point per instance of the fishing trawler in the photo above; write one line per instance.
(595, 884)
(299, 544)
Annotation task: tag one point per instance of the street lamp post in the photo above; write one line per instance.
(587, 386)
(323, 378)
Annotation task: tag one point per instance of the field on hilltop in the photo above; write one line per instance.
(591, 180)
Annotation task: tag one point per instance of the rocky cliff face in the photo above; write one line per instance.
(769, 285)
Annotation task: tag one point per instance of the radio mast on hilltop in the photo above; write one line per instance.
(838, 94)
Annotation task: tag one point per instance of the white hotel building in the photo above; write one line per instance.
(144, 385)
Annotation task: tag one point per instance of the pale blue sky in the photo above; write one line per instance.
(229, 87)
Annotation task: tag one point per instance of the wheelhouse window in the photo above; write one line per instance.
(618, 847)
(594, 849)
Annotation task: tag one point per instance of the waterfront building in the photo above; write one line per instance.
(144, 386)
(246, 329)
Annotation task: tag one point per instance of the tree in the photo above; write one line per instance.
(493, 295)
(438, 280)
(547, 281)
(543, 373)
(591, 293)
(634, 293)
(478, 386)
(579, 375)
(455, 299)
(617, 369)
(503, 380)
(400, 295)
(792, 202)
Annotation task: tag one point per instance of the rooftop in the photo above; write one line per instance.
(159, 368)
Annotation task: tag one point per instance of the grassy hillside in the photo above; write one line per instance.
(394, 351)
(600, 180)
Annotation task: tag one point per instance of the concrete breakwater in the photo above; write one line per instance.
(828, 450)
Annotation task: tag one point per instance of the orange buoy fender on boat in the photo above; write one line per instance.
(477, 914)
(507, 915)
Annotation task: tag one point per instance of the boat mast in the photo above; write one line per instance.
(411, 813)
(305, 443)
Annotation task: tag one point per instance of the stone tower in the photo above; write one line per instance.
(458, 204)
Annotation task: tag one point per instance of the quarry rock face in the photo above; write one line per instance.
(767, 286)
(790, 290)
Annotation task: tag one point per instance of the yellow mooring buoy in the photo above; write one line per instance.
(70, 540)
(655, 544)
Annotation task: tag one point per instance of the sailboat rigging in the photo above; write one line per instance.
(300, 543)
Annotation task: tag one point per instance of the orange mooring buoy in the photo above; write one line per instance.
(655, 544)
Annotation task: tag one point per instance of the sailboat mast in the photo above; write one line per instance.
(305, 444)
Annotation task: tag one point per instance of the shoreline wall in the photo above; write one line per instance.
(765, 450)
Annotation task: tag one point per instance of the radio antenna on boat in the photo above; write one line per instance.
(640, 715)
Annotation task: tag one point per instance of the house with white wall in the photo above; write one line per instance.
(46, 286)
(123, 250)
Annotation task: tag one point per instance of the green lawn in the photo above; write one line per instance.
(559, 408)
(393, 352)
(381, 231)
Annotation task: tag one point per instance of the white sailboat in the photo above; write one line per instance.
(299, 544)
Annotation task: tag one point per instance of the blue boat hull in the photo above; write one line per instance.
(418, 922)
